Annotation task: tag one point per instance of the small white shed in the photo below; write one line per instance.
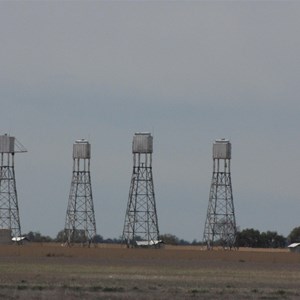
(295, 247)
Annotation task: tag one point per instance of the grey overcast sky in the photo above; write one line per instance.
(187, 71)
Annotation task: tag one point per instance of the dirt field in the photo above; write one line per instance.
(50, 271)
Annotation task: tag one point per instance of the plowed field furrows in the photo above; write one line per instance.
(50, 271)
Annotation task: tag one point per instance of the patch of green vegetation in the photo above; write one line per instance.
(22, 287)
(75, 288)
(221, 292)
(199, 291)
(280, 292)
(113, 289)
(4, 286)
(51, 254)
(95, 288)
(38, 288)
(72, 287)
(283, 294)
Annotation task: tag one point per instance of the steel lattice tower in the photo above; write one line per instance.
(220, 225)
(80, 225)
(141, 225)
(9, 209)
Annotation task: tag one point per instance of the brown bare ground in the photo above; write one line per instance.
(49, 271)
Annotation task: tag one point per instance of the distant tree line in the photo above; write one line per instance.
(255, 239)
(38, 237)
(246, 238)
(60, 238)
(171, 239)
(271, 239)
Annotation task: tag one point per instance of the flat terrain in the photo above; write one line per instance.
(50, 271)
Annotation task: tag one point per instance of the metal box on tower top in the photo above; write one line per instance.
(142, 143)
(7, 144)
(222, 149)
(82, 149)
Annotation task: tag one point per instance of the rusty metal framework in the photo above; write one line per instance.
(80, 224)
(141, 223)
(220, 225)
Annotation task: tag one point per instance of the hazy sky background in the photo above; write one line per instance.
(189, 72)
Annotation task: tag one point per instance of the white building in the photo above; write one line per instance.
(295, 247)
